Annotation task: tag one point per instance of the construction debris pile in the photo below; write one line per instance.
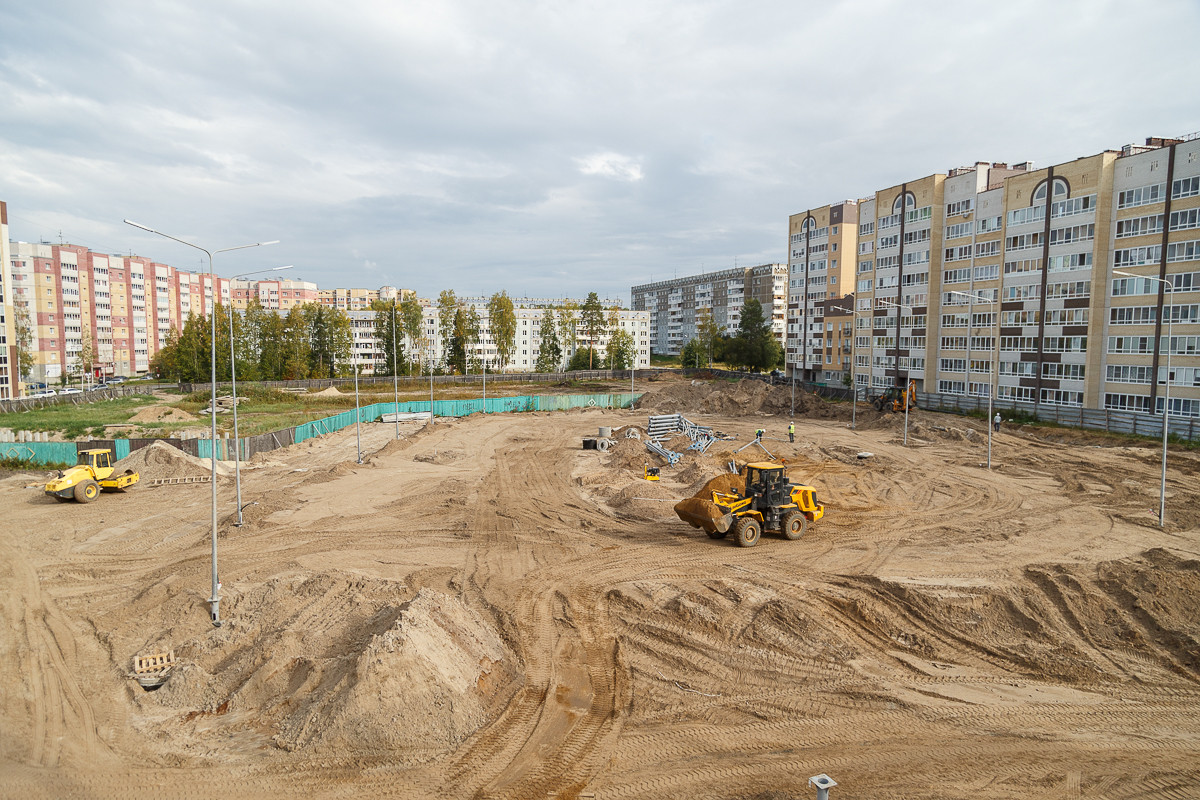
(224, 403)
(662, 427)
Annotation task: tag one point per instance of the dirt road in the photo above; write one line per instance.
(484, 609)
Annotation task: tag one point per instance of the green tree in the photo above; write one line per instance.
(568, 319)
(87, 353)
(502, 320)
(331, 339)
(165, 363)
(693, 356)
(755, 346)
(24, 333)
(412, 316)
(295, 350)
(263, 341)
(582, 359)
(447, 306)
(709, 333)
(549, 350)
(591, 318)
(387, 331)
(620, 351)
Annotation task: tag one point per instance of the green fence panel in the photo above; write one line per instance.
(40, 452)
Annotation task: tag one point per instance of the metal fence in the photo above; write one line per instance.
(1102, 419)
(31, 403)
(417, 381)
(227, 447)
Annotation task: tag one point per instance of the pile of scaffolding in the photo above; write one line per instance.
(663, 427)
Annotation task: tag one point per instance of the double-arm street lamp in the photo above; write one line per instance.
(237, 443)
(214, 601)
(972, 298)
(853, 385)
(1169, 309)
(906, 400)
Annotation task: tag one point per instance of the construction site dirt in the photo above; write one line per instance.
(484, 609)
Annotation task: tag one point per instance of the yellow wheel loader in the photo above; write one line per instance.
(84, 481)
(769, 502)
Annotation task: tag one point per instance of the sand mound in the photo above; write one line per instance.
(743, 397)
(330, 392)
(161, 460)
(162, 414)
(424, 685)
(439, 457)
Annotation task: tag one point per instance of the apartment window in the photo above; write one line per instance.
(990, 224)
(960, 207)
(1141, 196)
(1060, 189)
(958, 231)
(1187, 187)
(1075, 205)
(866, 228)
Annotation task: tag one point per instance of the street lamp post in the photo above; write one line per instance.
(1162, 491)
(214, 601)
(357, 412)
(430, 386)
(853, 385)
(995, 368)
(906, 403)
(237, 447)
(395, 373)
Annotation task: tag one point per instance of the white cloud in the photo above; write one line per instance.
(611, 165)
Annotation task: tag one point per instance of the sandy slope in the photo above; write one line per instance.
(483, 609)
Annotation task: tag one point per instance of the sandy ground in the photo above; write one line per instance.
(484, 609)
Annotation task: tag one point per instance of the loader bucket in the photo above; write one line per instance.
(701, 513)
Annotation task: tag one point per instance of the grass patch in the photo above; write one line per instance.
(25, 465)
(73, 420)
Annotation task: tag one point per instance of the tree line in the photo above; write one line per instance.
(315, 341)
(754, 347)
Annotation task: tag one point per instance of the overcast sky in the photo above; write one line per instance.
(544, 148)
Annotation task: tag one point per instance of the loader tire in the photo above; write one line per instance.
(793, 525)
(717, 534)
(747, 531)
(87, 491)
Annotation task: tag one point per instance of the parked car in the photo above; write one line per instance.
(43, 393)
(117, 379)
(70, 390)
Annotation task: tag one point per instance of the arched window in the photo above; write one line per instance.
(1061, 189)
(907, 200)
(810, 224)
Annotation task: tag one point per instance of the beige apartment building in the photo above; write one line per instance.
(361, 299)
(677, 306)
(10, 372)
(1008, 281)
(821, 249)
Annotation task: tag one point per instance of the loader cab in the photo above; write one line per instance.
(768, 483)
(100, 461)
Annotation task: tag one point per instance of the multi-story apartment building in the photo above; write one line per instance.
(1055, 286)
(361, 299)
(529, 314)
(822, 244)
(276, 295)
(10, 371)
(122, 307)
(677, 306)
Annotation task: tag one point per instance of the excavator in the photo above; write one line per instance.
(893, 398)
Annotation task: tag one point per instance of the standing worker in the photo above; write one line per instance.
(996, 422)
(791, 431)
(758, 433)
